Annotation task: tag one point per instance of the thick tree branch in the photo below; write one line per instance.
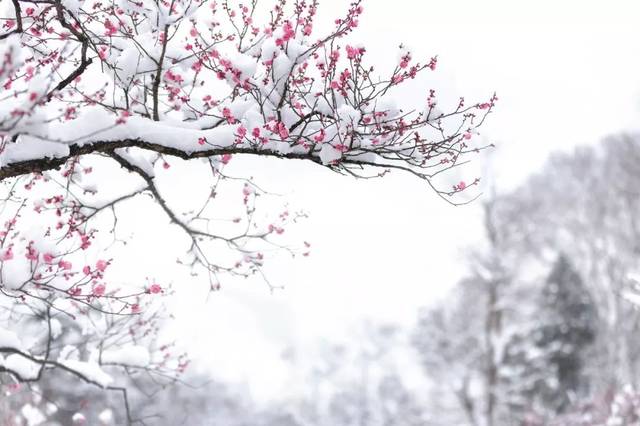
(108, 147)
(44, 164)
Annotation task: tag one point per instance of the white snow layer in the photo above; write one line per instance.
(9, 339)
(90, 370)
(134, 356)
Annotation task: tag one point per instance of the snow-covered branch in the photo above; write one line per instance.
(93, 94)
(87, 78)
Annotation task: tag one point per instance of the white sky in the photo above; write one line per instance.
(566, 72)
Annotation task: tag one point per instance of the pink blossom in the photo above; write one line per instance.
(69, 113)
(282, 130)
(276, 229)
(202, 141)
(32, 254)
(197, 66)
(123, 117)
(354, 52)
(66, 265)
(320, 136)
(86, 241)
(155, 289)
(289, 32)
(86, 270)
(111, 28)
(99, 290)
(48, 258)
(30, 73)
(226, 158)
(7, 254)
(341, 147)
(226, 113)
(101, 265)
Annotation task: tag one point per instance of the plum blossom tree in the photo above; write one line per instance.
(94, 90)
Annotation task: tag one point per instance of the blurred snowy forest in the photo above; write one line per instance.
(543, 330)
(539, 326)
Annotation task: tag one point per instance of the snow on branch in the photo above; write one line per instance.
(197, 79)
(91, 90)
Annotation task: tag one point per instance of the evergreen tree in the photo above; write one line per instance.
(568, 330)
